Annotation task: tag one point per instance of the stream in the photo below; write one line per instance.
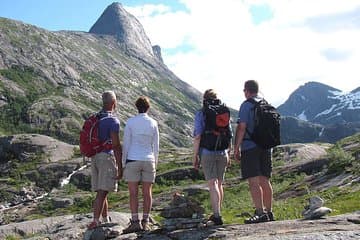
(63, 182)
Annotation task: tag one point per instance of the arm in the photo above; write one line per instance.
(230, 146)
(117, 152)
(239, 135)
(196, 159)
(126, 142)
(198, 129)
(156, 145)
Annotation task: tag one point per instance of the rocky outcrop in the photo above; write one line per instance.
(157, 52)
(47, 161)
(315, 209)
(27, 147)
(116, 21)
(74, 227)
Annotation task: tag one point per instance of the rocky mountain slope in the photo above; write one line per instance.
(49, 81)
(317, 112)
(318, 103)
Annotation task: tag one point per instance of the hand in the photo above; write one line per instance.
(119, 174)
(228, 161)
(237, 154)
(196, 162)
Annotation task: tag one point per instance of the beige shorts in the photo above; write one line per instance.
(214, 166)
(103, 172)
(140, 171)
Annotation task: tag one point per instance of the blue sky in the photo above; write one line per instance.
(67, 14)
(220, 44)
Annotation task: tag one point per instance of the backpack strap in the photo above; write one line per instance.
(110, 115)
(254, 102)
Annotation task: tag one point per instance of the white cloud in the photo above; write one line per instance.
(228, 48)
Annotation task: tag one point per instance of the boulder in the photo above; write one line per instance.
(315, 209)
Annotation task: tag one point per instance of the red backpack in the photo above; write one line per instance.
(217, 133)
(90, 143)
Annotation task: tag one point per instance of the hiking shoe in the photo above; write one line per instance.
(271, 216)
(263, 217)
(216, 220)
(134, 226)
(145, 224)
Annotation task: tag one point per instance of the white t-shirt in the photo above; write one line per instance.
(141, 139)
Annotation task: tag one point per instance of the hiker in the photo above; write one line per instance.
(106, 166)
(140, 157)
(255, 160)
(214, 157)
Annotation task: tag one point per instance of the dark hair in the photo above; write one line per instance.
(142, 104)
(209, 94)
(252, 86)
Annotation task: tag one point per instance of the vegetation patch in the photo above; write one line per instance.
(237, 204)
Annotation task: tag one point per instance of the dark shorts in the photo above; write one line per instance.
(256, 162)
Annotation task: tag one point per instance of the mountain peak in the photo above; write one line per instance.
(116, 21)
(319, 103)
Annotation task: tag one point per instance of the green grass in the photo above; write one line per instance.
(12, 237)
(237, 200)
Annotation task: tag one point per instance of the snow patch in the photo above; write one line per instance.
(327, 111)
(337, 93)
(302, 116)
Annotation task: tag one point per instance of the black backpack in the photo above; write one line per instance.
(266, 132)
(217, 134)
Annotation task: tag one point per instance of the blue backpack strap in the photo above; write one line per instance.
(254, 102)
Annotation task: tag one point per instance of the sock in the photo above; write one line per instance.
(106, 218)
(135, 216)
(268, 210)
(259, 211)
(146, 217)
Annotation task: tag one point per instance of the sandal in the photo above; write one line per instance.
(257, 219)
(93, 225)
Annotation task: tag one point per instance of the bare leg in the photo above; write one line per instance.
(147, 195)
(221, 191)
(104, 212)
(256, 193)
(267, 192)
(214, 196)
(99, 203)
(134, 202)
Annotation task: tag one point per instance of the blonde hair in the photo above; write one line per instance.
(108, 97)
(210, 94)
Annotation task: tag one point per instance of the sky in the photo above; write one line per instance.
(282, 44)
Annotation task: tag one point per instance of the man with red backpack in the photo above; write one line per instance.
(212, 143)
(106, 165)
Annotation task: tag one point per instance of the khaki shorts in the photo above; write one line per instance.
(214, 166)
(140, 171)
(103, 172)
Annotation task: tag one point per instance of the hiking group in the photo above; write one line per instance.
(257, 131)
